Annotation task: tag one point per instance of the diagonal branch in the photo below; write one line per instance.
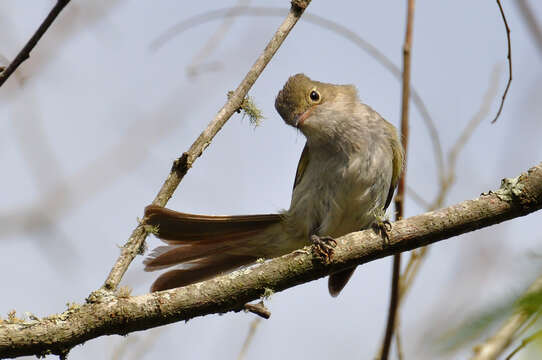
(181, 165)
(25, 51)
(110, 314)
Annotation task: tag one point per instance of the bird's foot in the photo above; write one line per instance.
(301, 252)
(382, 226)
(323, 247)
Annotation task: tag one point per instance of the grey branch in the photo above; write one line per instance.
(107, 314)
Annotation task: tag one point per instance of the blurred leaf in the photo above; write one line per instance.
(479, 323)
(475, 325)
(530, 303)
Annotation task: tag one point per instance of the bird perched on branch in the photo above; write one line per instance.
(345, 180)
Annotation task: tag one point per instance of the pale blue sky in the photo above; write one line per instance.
(92, 123)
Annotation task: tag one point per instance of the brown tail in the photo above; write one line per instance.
(204, 245)
(337, 281)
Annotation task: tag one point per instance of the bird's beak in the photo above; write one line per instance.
(300, 118)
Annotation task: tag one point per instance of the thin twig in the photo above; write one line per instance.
(112, 314)
(400, 198)
(251, 331)
(25, 51)
(509, 56)
(181, 165)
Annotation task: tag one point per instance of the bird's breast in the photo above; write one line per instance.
(339, 194)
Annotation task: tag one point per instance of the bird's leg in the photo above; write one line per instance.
(323, 246)
(382, 225)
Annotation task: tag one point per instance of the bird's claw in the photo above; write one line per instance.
(301, 251)
(382, 227)
(323, 247)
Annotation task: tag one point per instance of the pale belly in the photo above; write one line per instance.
(340, 197)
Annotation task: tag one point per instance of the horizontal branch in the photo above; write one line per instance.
(108, 314)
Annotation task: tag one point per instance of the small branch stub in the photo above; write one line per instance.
(258, 309)
(300, 4)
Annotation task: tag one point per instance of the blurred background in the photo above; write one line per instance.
(113, 93)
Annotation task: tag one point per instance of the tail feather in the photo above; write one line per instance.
(200, 270)
(338, 280)
(203, 245)
(174, 227)
(170, 255)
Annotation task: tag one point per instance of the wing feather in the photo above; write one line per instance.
(398, 160)
(302, 165)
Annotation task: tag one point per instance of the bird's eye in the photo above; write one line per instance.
(314, 96)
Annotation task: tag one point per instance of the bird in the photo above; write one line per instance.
(345, 180)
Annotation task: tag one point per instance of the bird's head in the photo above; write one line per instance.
(310, 105)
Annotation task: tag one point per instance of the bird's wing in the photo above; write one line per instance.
(398, 160)
(302, 165)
